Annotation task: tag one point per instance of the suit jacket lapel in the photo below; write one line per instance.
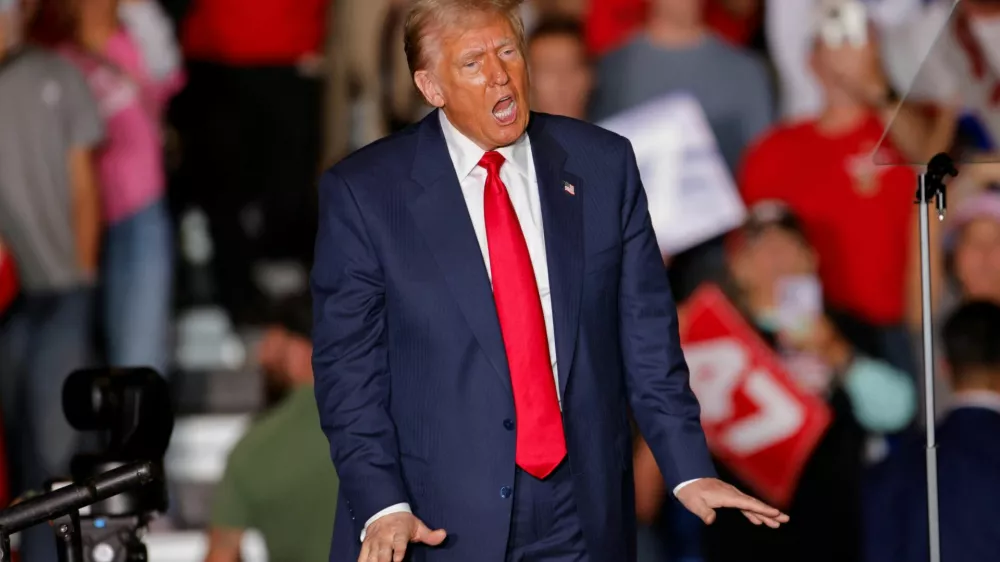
(442, 216)
(562, 218)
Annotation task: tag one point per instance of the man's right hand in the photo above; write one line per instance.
(388, 536)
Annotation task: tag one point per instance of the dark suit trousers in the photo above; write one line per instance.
(544, 524)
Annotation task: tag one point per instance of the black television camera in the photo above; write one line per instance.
(115, 492)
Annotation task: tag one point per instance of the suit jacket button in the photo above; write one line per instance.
(508, 424)
(505, 492)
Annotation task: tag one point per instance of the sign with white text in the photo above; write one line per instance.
(758, 422)
(692, 196)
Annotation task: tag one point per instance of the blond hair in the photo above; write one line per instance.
(426, 17)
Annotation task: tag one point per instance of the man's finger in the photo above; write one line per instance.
(753, 518)
(399, 543)
(770, 522)
(429, 537)
(744, 502)
(384, 551)
(365, 551)
(704, 512)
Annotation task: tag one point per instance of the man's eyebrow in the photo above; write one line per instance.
(477, 52)
(472, 53)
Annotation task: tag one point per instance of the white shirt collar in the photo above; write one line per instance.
(976, 399)
(465, 154)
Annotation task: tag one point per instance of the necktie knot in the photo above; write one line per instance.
(492, 161)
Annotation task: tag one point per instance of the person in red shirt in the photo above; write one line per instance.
(858, 214)
(608, 24)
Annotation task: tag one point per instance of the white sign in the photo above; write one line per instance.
(692, 196)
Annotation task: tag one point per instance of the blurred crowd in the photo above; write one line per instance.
(124, 121)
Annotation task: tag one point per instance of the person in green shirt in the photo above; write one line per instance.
(279, 478)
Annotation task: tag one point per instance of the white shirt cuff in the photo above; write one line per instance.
(398, 508)
(679, 486)
(405, 508)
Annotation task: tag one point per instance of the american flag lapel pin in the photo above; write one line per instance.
(568, 188)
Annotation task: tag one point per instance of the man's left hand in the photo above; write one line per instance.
(702, 497)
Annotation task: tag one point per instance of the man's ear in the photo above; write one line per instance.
(428, 86)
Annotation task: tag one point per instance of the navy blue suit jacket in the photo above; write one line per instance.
(412, 382)
(968, 488)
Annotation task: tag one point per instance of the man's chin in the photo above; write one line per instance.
(507, 134)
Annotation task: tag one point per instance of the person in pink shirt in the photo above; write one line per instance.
(138, 246)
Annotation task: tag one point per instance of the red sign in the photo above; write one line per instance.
(758, 422)
(8, 280)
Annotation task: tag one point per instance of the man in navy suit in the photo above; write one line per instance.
(968, 459)
(490, 305)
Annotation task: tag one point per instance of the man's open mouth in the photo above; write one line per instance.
(505, 110)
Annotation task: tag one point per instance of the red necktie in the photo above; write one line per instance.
(541, 444)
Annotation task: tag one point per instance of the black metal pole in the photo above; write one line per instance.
(75, 496)
(70, 545)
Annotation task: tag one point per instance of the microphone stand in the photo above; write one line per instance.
(931, 186)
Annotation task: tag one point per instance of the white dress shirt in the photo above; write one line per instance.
(518, 174)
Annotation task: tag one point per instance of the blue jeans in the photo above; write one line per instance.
(138, 289)
(43, 338)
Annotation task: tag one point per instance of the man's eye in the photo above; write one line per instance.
(470, 64)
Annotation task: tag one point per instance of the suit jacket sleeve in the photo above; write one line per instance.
(350, 359)
(660, 395)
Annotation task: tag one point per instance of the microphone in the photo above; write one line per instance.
(939, 168)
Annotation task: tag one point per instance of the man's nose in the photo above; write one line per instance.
(498, 73)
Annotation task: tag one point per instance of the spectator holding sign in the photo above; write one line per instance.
(679, 53)
(773, 283)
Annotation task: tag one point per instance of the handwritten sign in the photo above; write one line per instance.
(757, 420)
(692, 196)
